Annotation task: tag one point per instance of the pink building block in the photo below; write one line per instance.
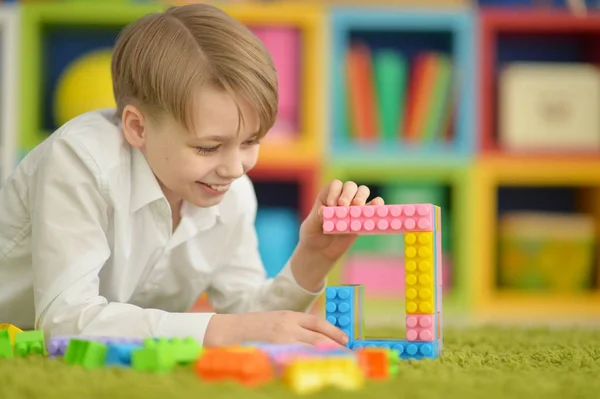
(384, 219)
(382, 276)
(420, 328)
(336, 219)
(284, 45)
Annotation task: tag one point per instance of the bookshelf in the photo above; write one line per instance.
(9, 69)
(491, 303)
(555, 181)
(376, 49)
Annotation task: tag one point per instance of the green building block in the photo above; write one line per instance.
(89, 354)
(30, 342)
(6, 348)
(186, 350)
(153, 357)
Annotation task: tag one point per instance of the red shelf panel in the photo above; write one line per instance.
(307, 176)
(494, 22)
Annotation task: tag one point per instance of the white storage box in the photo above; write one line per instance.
(549, 106)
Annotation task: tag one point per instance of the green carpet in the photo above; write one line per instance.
(484, 362)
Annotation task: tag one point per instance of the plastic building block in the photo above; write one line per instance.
(183, 351)
(88, 354)
(6, 348)
(378, 363)
(309, 375)
(343, 309)
(57, 345)
(12, 331)
(119, 354)
(420, 278)
(381, 219)
(405, 349)
(336, 219)
(30, 342)
(153, 357)
(249, 367)
(421, 328)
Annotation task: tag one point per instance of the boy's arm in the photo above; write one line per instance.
(69, 247)
(240, 285)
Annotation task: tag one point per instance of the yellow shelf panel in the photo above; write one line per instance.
(519, 306)
(541, 171)
(489, 303)
(288, 154)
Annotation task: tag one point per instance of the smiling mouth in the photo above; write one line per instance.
(216, 187)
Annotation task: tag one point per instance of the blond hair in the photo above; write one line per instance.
(161, 61)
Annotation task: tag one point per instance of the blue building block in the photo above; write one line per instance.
(120, 354)
(343, 310)
(406, 350)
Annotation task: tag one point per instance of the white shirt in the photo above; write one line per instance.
(86, 244)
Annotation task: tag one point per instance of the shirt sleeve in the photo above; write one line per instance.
(240, 285)
(69, 248)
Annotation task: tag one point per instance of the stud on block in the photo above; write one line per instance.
(336, 219)
(421, 327)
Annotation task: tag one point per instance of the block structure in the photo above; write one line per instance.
(421, 226)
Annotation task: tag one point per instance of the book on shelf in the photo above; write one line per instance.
(393, 99)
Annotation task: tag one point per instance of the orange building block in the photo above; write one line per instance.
(250, 368)
(374, 362)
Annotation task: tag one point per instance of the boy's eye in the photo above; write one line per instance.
(207, 150)
(252, 142)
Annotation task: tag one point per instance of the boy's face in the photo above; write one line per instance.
(198, 166)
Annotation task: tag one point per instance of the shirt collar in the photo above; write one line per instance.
(144, 186)
(145, 190)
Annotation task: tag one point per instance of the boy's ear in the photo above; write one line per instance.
(133, 124)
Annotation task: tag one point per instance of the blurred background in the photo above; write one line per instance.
(489, 109)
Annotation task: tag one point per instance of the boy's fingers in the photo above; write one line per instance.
(314, 338)
(377, 201)
(332, 193)
(348, 192)
(324, 327)
(361, 196)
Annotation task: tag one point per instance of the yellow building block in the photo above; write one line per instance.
(12, 331)
(420, 277)
(309, 375)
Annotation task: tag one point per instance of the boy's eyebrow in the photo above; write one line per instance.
(221, 138)
(214, 137)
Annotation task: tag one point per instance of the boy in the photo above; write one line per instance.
(120, 220)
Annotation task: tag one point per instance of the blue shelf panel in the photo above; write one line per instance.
(410, 32)
(400, 155)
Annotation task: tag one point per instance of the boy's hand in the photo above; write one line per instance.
(276, 327)
(336, 193)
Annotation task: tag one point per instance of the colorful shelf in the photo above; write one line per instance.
(533, 36)
(493, 304)
(320, 146)
(45, 36)
(9, 69)
(402, 36)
